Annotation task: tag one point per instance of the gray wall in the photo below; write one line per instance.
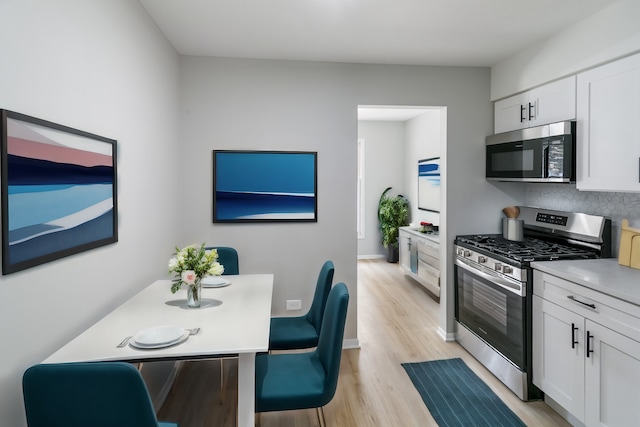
(101, 67)
(262, 104)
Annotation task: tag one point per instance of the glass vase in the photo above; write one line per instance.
(194, 294)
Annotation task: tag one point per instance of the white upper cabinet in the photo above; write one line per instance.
(553, 102)
(608, 127)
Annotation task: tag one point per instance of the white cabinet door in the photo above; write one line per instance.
(550, 103)
(608, 127)
(510, 113)
(558, 355)
(553, 102)
(612, 379)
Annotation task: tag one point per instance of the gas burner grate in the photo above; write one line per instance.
(530, 249)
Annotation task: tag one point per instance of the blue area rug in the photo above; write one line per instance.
(457, 397)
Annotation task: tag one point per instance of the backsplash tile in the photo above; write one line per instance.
(565, 197)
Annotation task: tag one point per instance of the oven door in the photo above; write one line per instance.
(493, 308)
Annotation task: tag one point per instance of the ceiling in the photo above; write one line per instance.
(412, 32)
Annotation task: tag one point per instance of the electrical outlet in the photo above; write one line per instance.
(294, 304)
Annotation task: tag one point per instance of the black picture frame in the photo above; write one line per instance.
(59, 191)
(265, 186)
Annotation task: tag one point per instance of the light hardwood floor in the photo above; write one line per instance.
(397, 322)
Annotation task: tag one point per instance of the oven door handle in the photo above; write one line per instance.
(495, 279)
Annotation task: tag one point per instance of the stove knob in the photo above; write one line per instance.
(507, 269)
(460, 251)
(497, 266)
(467, 254)
(482, 259)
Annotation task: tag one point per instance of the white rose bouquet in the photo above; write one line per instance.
(191, 264)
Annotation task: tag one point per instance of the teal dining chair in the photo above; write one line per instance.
(300, 332)
(97, 394)
(228, 257)
(289, 381)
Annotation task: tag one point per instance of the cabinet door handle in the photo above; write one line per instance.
(589, 349)
(523, 117)
(574, 341)
(531, 106)
(572, 298)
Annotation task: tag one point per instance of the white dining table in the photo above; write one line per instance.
(233, 320)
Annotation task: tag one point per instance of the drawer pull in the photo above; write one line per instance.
(572, 298)
(574, 341)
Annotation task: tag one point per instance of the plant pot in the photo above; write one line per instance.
(393, 253)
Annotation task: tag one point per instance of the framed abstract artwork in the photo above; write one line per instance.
(429, 184)
(264, 186)
(59, 193)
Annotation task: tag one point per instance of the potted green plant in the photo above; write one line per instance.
(393, 213)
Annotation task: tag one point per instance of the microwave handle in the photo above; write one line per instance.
(545, 161)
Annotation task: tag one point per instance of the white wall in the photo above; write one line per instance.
(611, 33)
(384, 166)
(100, 66)
(425, 135)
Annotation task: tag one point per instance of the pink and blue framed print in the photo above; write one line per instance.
(264, 186)
(59, 193)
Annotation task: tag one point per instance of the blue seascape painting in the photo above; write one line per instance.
(429, 184)
(264, 186)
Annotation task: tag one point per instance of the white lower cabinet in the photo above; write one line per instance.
(420, 258)
(612, 379)
(586, 352)
(558, 357)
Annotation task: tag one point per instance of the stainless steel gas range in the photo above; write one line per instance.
(493, 287)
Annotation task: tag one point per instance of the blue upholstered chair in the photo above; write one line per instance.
(99, 394)
(299, 332)
(288, 381)
(228, 257)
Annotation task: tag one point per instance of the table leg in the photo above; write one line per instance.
(246, 389)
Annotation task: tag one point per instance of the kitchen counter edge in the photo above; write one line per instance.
(604, 275)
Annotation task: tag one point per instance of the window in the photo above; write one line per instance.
(360, 195)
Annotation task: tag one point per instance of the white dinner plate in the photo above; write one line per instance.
(179, 340)
(158, 335)
(214, 282)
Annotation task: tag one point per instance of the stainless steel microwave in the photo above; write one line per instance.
(538, 154)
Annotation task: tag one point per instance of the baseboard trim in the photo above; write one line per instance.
(375, 256)
(445, 336)
(350, 343)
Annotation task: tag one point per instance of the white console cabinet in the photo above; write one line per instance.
(420, 258)
(586, 351)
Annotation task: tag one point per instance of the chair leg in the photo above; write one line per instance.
(321, 419)
(222, 380)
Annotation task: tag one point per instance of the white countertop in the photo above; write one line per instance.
(603, 275)
(434, 237)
